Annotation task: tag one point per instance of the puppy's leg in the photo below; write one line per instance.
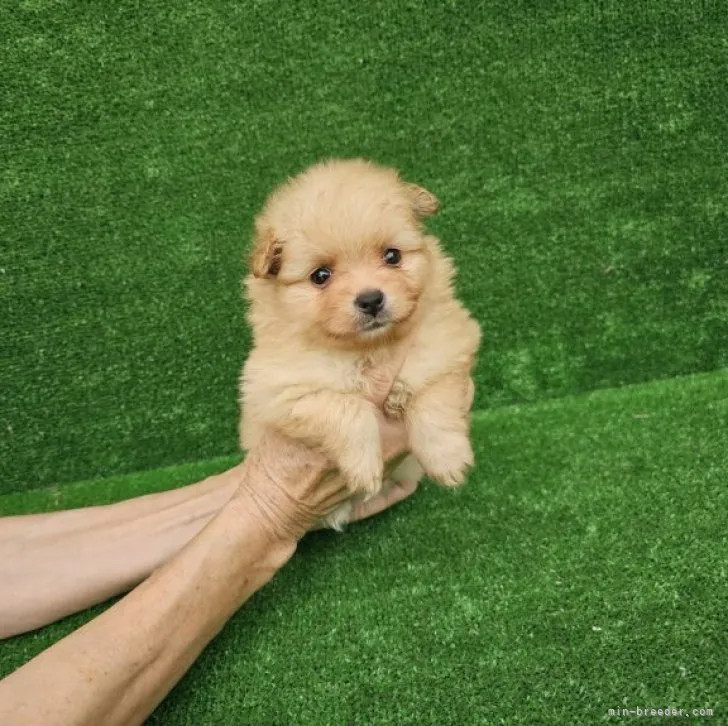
(344, 427)
(438, 425)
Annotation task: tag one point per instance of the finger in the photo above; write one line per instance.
(398, 492)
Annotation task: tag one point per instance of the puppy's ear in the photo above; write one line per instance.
(424, 203)
(267, 254)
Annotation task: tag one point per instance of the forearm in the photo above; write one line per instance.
(52, 565)
(55, 564)
(136, 651)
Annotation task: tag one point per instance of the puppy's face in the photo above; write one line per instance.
(343, 249)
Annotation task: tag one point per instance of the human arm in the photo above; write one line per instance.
(55, 564)
(118, 667)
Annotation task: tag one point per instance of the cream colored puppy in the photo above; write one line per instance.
(341, 274)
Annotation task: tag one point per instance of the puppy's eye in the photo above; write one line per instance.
(321, 276)
(392, 256)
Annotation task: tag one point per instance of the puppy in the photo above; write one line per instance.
(341, 274)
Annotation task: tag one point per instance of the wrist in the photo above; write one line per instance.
(280, 488)
(267, 544)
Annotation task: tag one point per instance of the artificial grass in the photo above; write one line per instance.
(577, 148)
(582, 568)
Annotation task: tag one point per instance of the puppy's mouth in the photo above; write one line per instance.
(379, 322)
(374, 325)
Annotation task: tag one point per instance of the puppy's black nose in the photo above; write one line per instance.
(370, 302)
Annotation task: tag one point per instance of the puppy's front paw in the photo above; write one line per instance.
(448, 460)
(398, 399)
(363, 471)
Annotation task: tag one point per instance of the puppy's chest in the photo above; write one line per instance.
(366, 368)
(427, 358)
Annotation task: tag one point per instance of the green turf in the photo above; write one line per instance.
(582, 568)
(578, 148)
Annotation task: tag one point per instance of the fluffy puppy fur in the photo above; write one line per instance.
(341, 274)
